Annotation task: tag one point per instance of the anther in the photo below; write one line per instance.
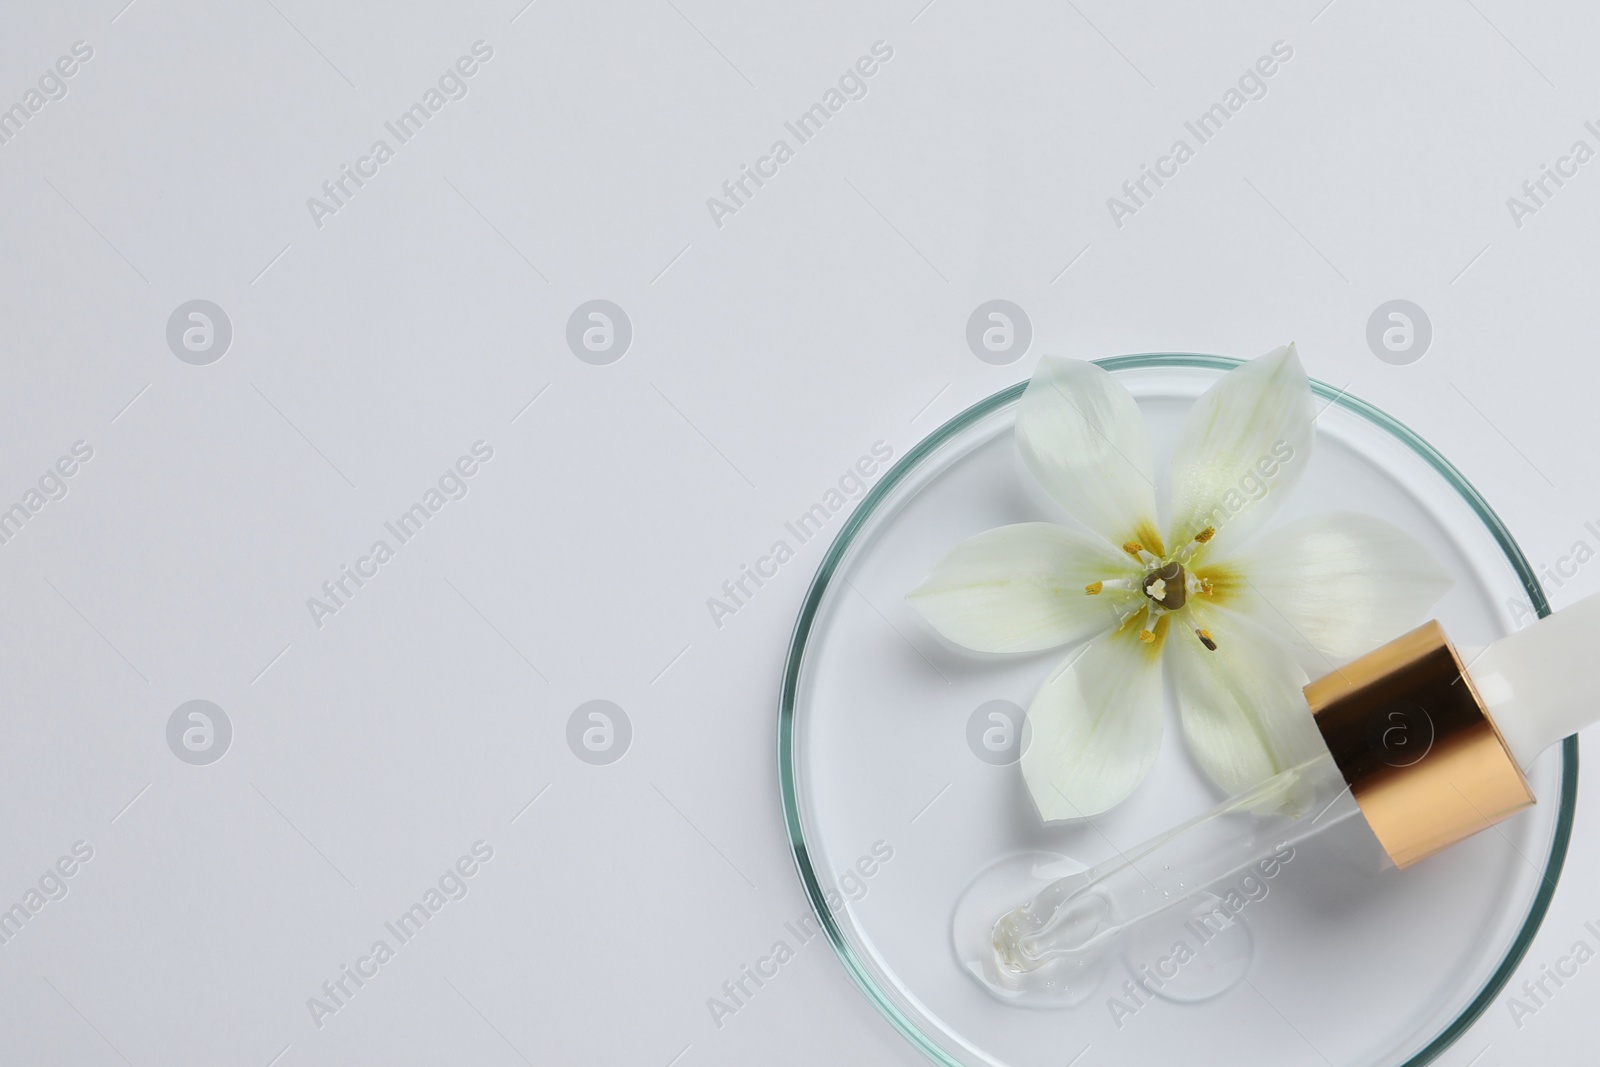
(1187, 552)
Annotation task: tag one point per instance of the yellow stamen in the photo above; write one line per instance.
(1094, 587)
(1205, 535)
(1146, 636)
(1132, 548)
(1206, 639)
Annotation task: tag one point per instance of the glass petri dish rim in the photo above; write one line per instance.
(875, 497)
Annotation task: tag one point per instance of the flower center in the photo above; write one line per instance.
(1167, 585)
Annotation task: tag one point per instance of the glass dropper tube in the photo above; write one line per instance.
(1079, 915)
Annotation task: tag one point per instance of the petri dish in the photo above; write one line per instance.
(894, 809)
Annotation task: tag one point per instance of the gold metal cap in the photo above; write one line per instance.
(1412, 737)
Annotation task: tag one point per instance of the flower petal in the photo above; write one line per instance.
(1339, 584)
(1244, 715)
(1082, 435)
(1241, 449)
(1095, 726)
(1022, 588)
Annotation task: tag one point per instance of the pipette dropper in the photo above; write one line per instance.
(1424, 748)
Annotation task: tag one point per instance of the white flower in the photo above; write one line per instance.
(1337, 584)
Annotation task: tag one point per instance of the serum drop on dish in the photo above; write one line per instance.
(1423, 746)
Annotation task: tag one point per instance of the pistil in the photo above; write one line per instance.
(1165, 585)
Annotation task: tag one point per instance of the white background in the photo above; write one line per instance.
(371, 351)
